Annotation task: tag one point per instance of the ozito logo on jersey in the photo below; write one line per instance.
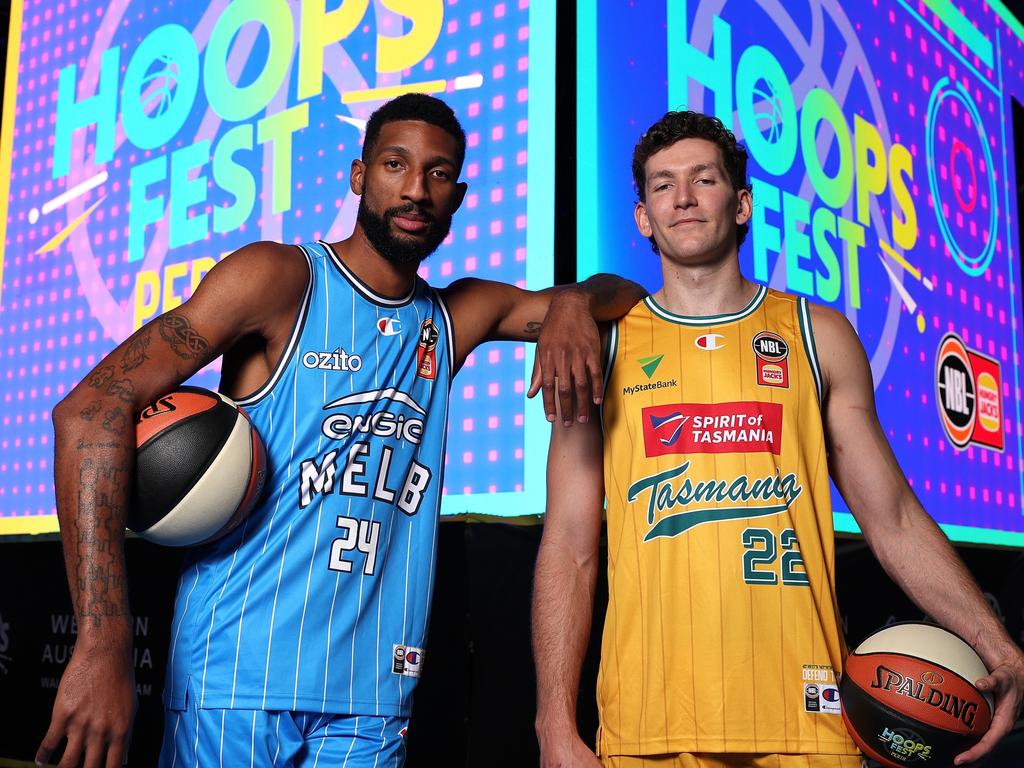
(968, 390)
(338, 360)
(770, 353)
(686, 428)
(426, 356)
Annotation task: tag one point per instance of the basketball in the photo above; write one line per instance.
(199, 468)
(908, 696)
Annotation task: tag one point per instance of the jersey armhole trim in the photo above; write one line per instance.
(807, 332)
(611, 347)
(449, 332)
(289, 350)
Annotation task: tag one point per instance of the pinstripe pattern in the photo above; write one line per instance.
(714, 624)
(340, 552)
(228, 738)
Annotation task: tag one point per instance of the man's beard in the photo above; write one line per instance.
(396, 248)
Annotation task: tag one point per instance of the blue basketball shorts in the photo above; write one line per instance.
(244, 737)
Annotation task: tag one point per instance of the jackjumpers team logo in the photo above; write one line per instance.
(968, 390)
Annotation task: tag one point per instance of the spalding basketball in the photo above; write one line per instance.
(199, 468)
(908, 696)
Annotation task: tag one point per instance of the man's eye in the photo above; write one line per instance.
(392, 164)
(440, 174)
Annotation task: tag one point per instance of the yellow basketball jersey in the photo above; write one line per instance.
(722, 632)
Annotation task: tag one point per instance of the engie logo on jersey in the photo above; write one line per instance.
(407, 660)
(383, 420)
(686, 428)
(968, 390)
(426, 356)
(770, 352)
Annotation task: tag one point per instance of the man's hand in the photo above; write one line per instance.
(567, 367)
(94, 710)
(567, 753)
(1006, 685)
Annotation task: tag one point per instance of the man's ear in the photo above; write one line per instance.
(643, 223)
(460, 195)
(745, 209)
(357, 177)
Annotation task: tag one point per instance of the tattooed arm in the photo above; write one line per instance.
(253, 292)
(562, 321)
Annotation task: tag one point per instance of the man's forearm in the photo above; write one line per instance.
(563, 599)
(921, 560)
(608, 296)
(93, 475)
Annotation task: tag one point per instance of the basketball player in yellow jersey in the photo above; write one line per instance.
(726, 407)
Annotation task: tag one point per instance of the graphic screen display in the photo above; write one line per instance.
(885, 185)
(143, 142)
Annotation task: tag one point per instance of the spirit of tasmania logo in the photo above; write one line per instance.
(686, 428)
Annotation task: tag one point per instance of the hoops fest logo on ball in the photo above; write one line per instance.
(968, 388)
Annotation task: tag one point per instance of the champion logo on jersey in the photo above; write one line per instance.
(407, 660)
(389, 326)
(709, 341)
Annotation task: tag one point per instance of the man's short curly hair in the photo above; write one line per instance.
(684, 124)
(419, 107)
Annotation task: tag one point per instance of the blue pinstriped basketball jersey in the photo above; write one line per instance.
(320, 601)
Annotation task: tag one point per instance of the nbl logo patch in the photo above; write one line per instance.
(968, 389)
(426, 356)
(770, 353)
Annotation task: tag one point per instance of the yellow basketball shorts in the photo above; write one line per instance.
(732, 760)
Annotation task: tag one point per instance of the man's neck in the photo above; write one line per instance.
(381, 275)
(717, 289)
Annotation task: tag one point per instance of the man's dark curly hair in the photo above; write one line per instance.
(420, 107)
(684, 124)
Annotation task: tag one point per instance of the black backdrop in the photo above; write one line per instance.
(475, 703)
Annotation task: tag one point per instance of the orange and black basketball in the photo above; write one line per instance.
(908, 696)
(199, 468)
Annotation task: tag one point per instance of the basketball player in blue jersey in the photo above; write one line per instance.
(298, 638)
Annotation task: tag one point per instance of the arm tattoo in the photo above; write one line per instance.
(179, 333)
(533, 327)
(89, 413)
(99, 588)
(114, 420)
(123, 390)
(135, 352)
(100, 377)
